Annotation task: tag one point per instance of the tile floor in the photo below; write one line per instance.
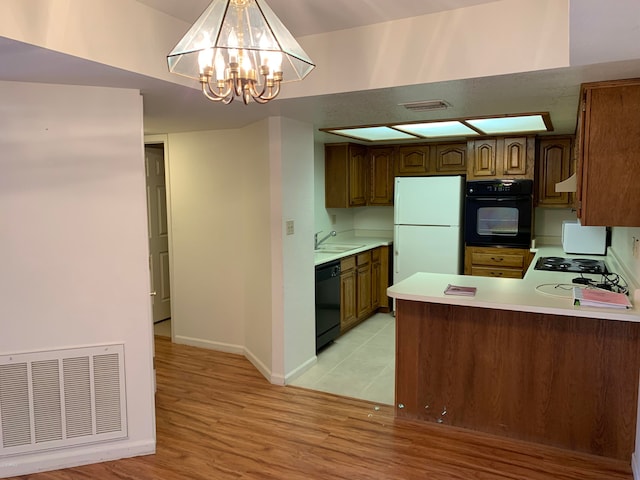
(359, 364)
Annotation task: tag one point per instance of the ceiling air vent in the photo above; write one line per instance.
(425, 106)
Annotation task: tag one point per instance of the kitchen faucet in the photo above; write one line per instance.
(316, 242)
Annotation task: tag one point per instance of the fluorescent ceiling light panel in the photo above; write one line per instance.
(373, 134)
(528, 123)
(437, 129)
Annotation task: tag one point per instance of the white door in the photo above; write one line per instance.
(158, 232)
(426, 249)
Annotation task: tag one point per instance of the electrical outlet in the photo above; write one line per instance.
(333, 219)
(635, 247)
(289, 227)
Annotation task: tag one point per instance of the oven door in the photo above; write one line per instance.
(499, 221)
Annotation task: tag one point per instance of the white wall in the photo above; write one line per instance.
(238, 283)
(74, 243)
(522, 35)
(622, 239)
(296, 182)
(548, 224)
(604, 31)
(206, 178)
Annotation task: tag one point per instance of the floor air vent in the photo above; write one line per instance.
(61, 398)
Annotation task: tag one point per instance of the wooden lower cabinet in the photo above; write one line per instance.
(363, 286)
(496, 262)
(363, 268)
(348, 293)
(568, 382)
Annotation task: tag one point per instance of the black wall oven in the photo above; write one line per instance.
(499, 213)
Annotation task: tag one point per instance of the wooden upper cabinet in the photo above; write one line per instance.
(434, 159)
(358, 170)
(482, 158)
(518, 156)
(501, 157)
(413, 160)
(346, 172)
(451, 158)
(381, 176)
(608, 145)
(554, 164)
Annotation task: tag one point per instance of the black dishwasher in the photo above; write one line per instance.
(327, 303)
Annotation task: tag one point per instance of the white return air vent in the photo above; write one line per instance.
(61, 398)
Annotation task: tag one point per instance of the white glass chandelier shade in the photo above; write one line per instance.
(239, 48)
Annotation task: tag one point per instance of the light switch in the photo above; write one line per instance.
(289, 227)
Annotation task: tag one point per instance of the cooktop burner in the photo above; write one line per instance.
(577, 265)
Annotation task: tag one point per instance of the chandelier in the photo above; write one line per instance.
(239, 48)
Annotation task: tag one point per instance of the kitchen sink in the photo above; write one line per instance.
(336, 248)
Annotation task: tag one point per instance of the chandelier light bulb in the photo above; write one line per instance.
(237, 48)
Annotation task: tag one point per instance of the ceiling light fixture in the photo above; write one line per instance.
(239, 48)
(459, 128)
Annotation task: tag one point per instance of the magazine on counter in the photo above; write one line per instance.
(460, 290)
(596, 297)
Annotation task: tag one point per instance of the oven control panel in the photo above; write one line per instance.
(500, 187)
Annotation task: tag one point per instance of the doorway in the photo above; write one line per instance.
(159, 267)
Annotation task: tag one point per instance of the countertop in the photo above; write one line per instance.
(539, 291)
(360, 244)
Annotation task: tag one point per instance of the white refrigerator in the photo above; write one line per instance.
(428, 219)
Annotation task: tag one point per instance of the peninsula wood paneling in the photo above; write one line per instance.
(568, 382)
(219, 419)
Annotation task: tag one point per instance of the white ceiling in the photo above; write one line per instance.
(171, 107)
(308, 17)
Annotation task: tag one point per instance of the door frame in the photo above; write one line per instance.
(164, 141)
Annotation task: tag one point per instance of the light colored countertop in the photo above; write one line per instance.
(358, 244)
(538, 292)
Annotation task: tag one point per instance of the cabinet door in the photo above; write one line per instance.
(413, 160)
(515, 156)
(363, 284)
(381, 176)
(553, 165)
(376, 273)
(451, 158)
(358, 167)
(345, 167)
(609, 149)
(483, 154)
(348, 312)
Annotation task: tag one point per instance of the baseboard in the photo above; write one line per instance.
(635, 466)
(73, 457)
(263, 369)
(291, 376)
(198, 342)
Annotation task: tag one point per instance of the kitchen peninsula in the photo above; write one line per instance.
(518, 360)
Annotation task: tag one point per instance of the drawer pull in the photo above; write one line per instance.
(498, 259)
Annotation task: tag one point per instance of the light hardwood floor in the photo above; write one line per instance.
(218, 418)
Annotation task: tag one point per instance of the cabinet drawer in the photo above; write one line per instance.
(363, 258)
(496, 272)
(375, 254)
(497, 259)
(348, 263)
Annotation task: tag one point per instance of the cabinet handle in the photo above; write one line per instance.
(496, 274)
(498, 259)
